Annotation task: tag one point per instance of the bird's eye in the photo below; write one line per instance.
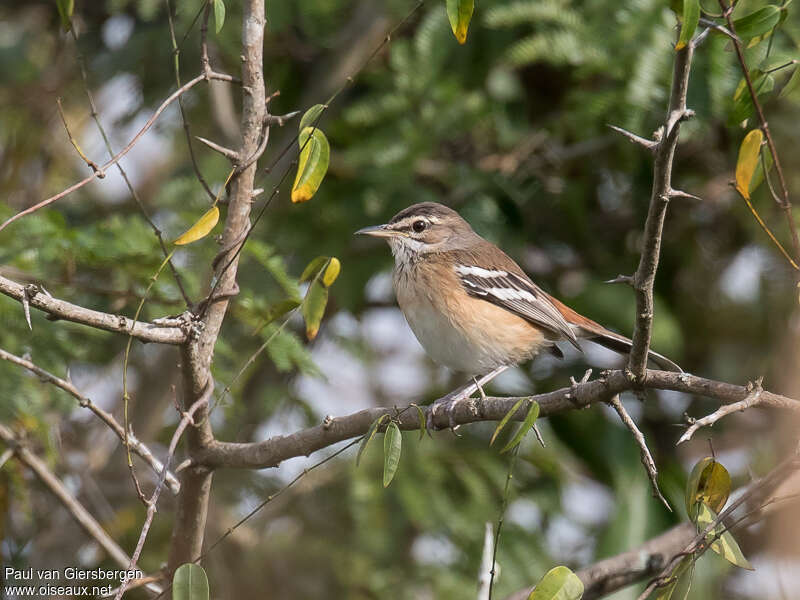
(419, 226)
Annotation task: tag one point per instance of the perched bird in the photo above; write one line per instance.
(470, 305)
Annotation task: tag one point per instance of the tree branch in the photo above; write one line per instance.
(36, 297)
(611, 574)
(645, 275)
(136, 446)
(271, 452)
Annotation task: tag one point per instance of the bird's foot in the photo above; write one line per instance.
(447, 405)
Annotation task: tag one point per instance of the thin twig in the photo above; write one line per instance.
(136, 446)
(785, 203)
(116, 158)
(206, 72)
(89, 162)
(647, 458)
(752, 399)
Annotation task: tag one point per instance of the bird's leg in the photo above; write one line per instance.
(448, 402)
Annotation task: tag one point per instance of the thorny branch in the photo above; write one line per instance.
(664, 153)
(37, 297)
(647, 458)
(273, 451)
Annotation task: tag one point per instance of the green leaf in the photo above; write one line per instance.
(691, 17)
(559, 583)
(314, 308)
(369, 435)
(200, 229)
(757, 23)
(219, 15)
(313, 268)
(311, 117)
(763, 83)
(678, 577)
(276, 311)
(423, 422)
(332, 272)
(526, 426)
(725, 545)
(313, 164)
(792, 84)
(392, 445)
(460, 12)
(190, 583)
(504, 421)
(747, 162)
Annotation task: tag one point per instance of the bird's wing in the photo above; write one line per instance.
(516, 294)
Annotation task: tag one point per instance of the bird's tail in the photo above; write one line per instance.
(621, 344)
(587, 329)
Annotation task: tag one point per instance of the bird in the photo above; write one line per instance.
(471, 306)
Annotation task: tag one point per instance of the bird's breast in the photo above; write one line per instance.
(460, 332)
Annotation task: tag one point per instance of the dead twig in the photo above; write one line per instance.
(647, 458)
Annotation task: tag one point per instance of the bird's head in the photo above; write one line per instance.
(422, 228)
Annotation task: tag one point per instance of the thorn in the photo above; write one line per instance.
(626, 279)
(231, 155)
(280, 120)
(723, 30)
(681, 194)
(636, 139)
(256, 192)
(26, 306)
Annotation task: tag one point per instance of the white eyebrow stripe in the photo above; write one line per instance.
(511, 294)
(478, 272)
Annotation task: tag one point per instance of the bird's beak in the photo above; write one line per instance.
(377, 231)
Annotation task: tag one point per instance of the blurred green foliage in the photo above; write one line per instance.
(510, 129)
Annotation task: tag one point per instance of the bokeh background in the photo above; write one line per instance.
(509, 129)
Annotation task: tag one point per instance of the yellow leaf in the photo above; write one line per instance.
(332, 272)
(748, 159)
(200, 229)
(313, 164)
(460, 12)
(709, 483)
